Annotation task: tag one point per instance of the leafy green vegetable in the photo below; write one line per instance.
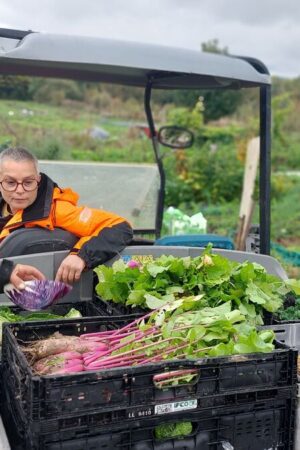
(294, 285)
(6, 315)
(246, 286)
(290, 313)
(72, 314)
(171, 430)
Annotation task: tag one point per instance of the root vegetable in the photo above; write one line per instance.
(58, 343)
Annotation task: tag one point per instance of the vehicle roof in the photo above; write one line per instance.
(129, 63)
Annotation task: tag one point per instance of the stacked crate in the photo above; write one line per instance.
(288, 332)
(241, 402)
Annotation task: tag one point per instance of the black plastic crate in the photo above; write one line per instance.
(268, 425)
(276, 321)
(110, 308)
(99, 420)
(131, 388)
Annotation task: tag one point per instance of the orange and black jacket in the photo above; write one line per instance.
(101, 234)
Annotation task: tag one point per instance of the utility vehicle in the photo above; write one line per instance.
(149, 67)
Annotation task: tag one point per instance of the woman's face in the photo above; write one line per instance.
(21, 172)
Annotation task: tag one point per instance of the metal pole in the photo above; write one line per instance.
(265, 169)
(161, 193)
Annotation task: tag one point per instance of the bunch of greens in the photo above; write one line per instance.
(290, 313)
(177, 331)
(171, 430)
(247, 286)
(291, 309)
(7, 315)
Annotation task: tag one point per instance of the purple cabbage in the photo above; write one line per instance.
(38, 294)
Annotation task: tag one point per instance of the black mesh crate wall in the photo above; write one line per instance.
(256, 426)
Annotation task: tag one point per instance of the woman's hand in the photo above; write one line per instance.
(22, 272)
(70, 269)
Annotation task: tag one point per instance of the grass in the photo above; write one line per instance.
(63, 119)
(40, 127)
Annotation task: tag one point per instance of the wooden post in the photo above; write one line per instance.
(247, 202)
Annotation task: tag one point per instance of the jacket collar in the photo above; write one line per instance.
(41, 207)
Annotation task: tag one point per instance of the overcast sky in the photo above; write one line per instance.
(266, 29)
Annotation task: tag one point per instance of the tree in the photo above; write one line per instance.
(14, 87)
(218, 103)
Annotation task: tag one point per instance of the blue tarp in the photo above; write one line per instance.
(197, 240)
(289, 256)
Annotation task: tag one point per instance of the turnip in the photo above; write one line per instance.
(51, 346)
(51, 364)
(58, 343)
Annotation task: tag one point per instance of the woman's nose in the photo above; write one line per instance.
(20, 188)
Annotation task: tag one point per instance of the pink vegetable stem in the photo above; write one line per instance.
(135, 350)
(172, 349)
(123, 344)
(136, 321)
(97, 333)
(174, 374)
(127, 361)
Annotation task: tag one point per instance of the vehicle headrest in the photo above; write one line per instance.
(27, 241)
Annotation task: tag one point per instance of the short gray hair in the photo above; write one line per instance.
(18, 154)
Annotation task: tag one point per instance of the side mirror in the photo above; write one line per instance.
(175, 137)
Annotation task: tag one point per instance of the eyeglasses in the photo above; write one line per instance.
(12, 185)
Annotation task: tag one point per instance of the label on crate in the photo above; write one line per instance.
(141, 259)
(138, 413)
(164, 408)
(178, 406)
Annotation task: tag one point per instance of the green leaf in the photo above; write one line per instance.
(294, 285)
(136, 297)
(155, 269)
(172, 430)
(252, 343)
(221, 349)
(247, 310)
(154, 302)
(159, 318)
(119, 266)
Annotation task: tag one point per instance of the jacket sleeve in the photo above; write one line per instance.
(102, 234)
(6, 268)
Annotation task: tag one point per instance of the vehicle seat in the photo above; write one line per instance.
(26, 241)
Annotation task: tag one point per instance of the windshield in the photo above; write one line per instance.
(130, 190)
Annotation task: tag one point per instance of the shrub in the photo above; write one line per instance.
(285, 223)
(213, 174)
(51, 148)
(55, 91)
